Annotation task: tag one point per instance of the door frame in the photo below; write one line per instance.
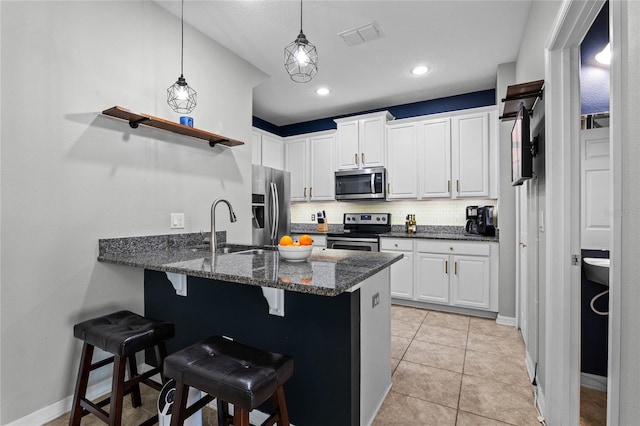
(562, 119)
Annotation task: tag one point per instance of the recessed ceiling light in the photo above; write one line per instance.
(323, 91)
(420, 70)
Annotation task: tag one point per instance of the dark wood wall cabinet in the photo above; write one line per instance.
(135, 119)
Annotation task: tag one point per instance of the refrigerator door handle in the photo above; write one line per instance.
(276, 219)
(274, 212)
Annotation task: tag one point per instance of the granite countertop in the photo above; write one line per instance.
(326, 272)
(430, 232)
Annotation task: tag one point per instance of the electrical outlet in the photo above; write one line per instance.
(375, 300)
(177, 220)
(313, 217)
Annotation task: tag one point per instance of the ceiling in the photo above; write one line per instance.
(461, 41)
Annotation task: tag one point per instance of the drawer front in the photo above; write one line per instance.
(403, 244)
(451, 247)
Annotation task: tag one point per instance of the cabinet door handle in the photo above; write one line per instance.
(449, 185)
(446, 266)
(455, 268)
(362, 156)
(457, 185)
(310, 192)
(388, 188)
(356, 157)
(305, 192)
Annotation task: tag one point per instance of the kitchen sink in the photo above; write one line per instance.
(596, 270)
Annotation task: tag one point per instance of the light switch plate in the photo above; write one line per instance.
(177, 220)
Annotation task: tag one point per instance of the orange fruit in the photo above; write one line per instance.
(306, 240)
(286, 240)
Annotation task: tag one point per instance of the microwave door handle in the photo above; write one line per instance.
(373, 183)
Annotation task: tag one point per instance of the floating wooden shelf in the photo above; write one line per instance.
(136, 119)
(527, 93)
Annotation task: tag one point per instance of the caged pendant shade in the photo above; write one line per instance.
(180, 97)
(301, 57)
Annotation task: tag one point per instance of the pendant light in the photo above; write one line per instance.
(180, 97)
(301, 57)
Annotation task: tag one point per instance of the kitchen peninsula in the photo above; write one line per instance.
(331, 313)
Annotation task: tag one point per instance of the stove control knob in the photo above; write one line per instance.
(384, 219)
(378, 218)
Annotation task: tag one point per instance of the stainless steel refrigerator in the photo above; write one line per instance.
(271, 190)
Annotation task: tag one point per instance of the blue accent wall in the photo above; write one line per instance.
(594, 76)
(416, 109)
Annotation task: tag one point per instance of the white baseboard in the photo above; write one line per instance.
(57, 409)
(540, 404)
(593, 381)
(511, 321)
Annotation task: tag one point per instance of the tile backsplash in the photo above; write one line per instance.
(428, 212)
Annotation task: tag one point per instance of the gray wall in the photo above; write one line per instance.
(506, 201)
(530, 66)
(70, 176)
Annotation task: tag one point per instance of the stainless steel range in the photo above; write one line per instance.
(361, 231)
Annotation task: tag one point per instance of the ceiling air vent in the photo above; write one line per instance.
(361, 34)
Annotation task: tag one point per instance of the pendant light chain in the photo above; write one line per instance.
(182, 44)
(300, 15)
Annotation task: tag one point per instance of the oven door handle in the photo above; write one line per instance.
(355, 240)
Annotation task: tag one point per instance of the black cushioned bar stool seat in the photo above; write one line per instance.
(233, 373)
(122, 334)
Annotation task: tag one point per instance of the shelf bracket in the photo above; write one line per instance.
(134, 123)
(275, 299)
(179, 282)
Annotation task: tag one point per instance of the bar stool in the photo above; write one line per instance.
(122, 334)
(233, 373)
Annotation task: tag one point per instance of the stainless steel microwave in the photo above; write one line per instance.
(361, 184)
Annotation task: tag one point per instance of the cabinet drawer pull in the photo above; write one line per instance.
(455, 268)
(446, 266)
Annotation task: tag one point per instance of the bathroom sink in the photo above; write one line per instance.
(596, 270)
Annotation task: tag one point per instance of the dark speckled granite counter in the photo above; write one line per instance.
(326, 272)
(430, 232)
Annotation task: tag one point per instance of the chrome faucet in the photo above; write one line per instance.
(232, 218)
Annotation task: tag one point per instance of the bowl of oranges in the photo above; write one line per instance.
(295, 251)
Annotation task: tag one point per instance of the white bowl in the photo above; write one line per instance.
(295, 253)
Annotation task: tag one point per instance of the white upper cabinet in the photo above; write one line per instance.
(310, 161)
(360, 140)
(267, 149)
(272, 152)
(297, 163)
(454, 156)
(434, 154)
(402, 167)
(470, 155)
(321, 176)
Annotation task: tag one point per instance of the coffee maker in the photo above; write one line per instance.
(472, 220)
(480, 221)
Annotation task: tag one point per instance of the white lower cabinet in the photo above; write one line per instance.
(402, 271)
(455, 273)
